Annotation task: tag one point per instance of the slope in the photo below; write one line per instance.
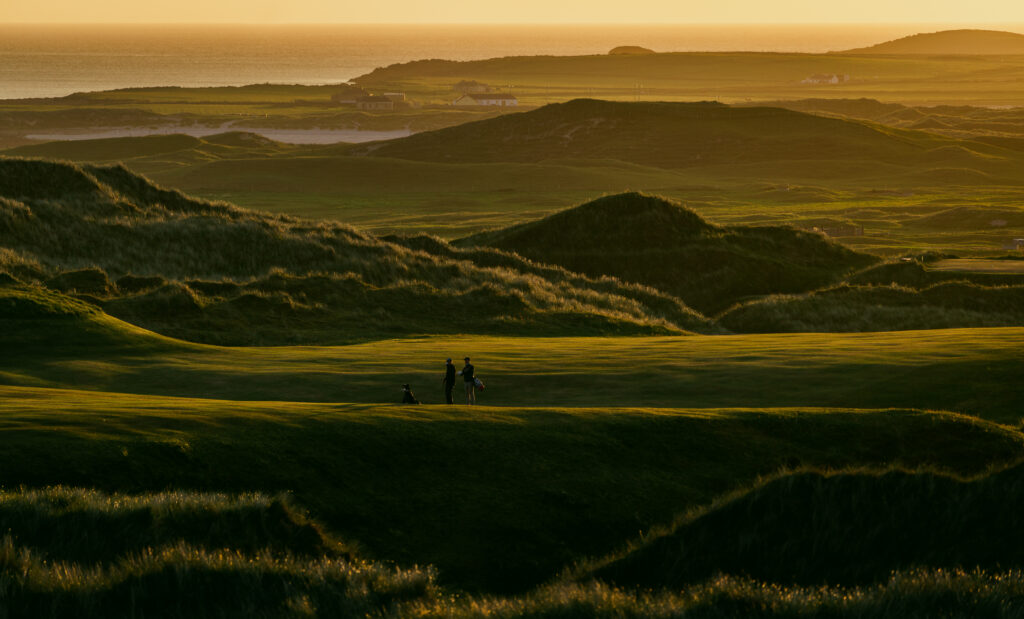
(950, 42)
(846, 528)
(213, 272)
(688, 135)
(659, 243)
(500, 499)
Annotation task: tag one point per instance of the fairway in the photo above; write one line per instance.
(974, 371)
(980, 265)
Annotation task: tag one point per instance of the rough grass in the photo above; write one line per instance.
(848, 528)
(918, 593)
(181, 581)
(85, 526)
(653, 241)
(881, 308)
(295, 280)
(455, 488)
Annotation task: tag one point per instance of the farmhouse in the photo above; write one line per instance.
(375, 102)
(489, 98)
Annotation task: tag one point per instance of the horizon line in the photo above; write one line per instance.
(976, 24)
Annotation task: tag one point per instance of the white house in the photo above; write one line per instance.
(487, 98)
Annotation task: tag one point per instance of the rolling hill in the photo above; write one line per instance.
(214, 272)
(951, 42)
(684, 135)
(662, 244)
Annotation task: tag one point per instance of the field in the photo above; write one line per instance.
(747, 360)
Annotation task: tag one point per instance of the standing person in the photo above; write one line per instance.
(469, 378)
(449, 380)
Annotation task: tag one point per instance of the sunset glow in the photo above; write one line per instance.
(526, 11)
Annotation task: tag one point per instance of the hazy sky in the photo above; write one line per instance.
(514, 11)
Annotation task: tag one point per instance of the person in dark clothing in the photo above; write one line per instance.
(449, 381)
(468, 373)
(407, 396)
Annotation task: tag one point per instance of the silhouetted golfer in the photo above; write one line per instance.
(449, 380)
(407, 396)
(469, 378)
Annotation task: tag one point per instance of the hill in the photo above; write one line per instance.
(1001, 126)
(811, 528)
(629, 50)
(210, 271)
(951, 42)
(662, 244)
(684, 135)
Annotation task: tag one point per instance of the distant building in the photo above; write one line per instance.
(375, 103)
(825, 78)
(1017, 244)
(397, 97)
(489, 98)
(347, 94)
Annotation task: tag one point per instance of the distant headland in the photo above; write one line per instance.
(951, 42)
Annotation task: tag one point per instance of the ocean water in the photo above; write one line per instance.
(57, 60)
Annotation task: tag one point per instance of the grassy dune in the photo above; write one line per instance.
(73, 552)
(649, 240)
(213, 272)
(794, 530)
(911, 190)
(873, 308)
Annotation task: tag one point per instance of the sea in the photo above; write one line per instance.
(57, 60)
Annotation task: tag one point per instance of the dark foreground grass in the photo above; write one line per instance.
(181, 581)
(161, 574)
(497, 499)
(847, 528)
(914, 594)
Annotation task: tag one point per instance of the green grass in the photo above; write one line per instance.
(973, 371)
(421, 484)
(915, 192)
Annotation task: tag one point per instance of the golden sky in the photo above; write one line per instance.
(514, 11)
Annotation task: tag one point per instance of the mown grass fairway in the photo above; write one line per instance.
(974, 371)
